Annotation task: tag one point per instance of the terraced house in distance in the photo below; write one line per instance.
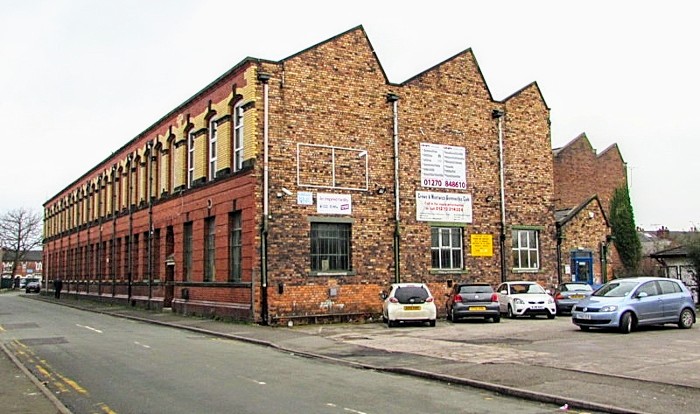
(299, 189)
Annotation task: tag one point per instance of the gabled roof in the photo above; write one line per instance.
(678, 251)
(526, 87)
(31, 256)
(564, 216)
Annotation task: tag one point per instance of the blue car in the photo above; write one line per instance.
(627, 303)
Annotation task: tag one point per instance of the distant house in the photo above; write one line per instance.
(30, 264)
(675, 264)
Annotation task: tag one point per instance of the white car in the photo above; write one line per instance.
(408, 302)
(525, 298)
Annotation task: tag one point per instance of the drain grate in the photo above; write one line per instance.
(13, 326)
(44, 341)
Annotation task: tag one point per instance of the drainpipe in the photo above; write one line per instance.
(560, 238)
(264, 78)
(149, 194)
(498, 114)
(131, 229)
(394, 100)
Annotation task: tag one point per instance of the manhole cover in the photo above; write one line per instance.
(44, 341)
(13, 326)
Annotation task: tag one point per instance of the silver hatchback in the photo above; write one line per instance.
(631, 302)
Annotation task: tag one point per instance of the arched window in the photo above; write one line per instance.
(212, 148)
(190, 158)
(238, 137)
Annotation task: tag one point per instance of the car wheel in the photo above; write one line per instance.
(390, 323)
(432, 322)
(26, 291)
(686, 320)
(496, 319)
(626, 323)
(511, 315)
(551, 315)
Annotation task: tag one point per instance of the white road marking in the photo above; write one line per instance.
(88, 327)
(253, 380)
(143, 345)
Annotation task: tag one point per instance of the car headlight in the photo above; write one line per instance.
(550, 300)
(518, 301)
(609, 308)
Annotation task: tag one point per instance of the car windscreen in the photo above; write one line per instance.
(526, 288)
(411, 294)
(615, 289)
(475, 289)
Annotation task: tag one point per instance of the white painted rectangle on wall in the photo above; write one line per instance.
(448, 207)
(333, 203)
(443, 166)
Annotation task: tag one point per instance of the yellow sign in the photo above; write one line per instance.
(482, 244)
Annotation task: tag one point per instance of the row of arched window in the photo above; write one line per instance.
(160, 167)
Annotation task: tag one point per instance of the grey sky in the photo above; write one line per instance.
(79, 78)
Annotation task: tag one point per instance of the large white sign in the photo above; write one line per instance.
(333, 203)
(443, 207)
(443, 166)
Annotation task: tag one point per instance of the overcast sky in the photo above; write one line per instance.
(80, 78)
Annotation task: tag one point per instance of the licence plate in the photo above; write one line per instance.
(411, 308)
(537, 307)
(576, 296)
(477, 308)
(584, 316)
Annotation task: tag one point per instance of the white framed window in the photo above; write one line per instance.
(526, 251)
(446, 248)
(212, 149)
(238, 130)
(190, 159)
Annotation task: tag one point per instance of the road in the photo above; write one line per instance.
(98, 363)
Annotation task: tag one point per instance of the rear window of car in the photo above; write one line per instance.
(411, 294)
(579, 287)
(475, 289)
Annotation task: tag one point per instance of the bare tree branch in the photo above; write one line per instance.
(20, 232)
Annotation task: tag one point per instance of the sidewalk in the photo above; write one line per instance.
(581, 390)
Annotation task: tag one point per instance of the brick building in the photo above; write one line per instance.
(300, 188)
(584, 183)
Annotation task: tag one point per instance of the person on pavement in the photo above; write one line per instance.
(57, 286)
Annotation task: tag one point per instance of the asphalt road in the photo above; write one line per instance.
(98, 363)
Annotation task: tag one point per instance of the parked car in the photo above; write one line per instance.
(525, 298)
(568, 294)
(467, 300)
(628, 303)
(408, 302)
(33, 285)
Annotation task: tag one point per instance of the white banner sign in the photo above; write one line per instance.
(443, 207)
(333, 203)
(443, 166)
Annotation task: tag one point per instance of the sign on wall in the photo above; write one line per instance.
(481, 245)
(333, 203)
(443, 166)
(443, 207)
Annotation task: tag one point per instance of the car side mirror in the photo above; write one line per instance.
(383, 295)
(503, 292)
(642, 295)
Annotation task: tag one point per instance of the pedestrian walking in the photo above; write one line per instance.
(57, 286)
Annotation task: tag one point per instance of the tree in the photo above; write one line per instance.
(624, 231)
(693, 248)
(20, 232)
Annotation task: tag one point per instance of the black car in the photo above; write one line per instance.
(472, 300)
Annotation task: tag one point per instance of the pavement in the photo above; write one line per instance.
(494, 360)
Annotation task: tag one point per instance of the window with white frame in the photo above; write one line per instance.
(212, 148)
(190, 159)
(526, 252)
(237, 137)
(446, 248)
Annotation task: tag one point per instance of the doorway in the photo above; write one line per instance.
(582, 266)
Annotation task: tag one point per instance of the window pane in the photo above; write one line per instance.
(330, 246)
